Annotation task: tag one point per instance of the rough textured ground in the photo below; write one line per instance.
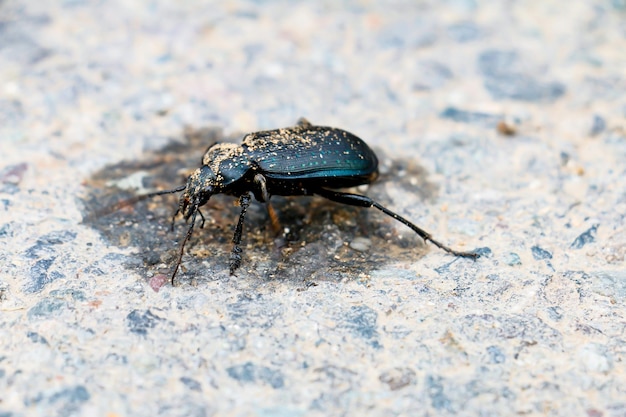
(500, 126)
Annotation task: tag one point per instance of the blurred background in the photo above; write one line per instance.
(500, 126)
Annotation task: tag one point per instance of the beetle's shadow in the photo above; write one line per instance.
(325, 240)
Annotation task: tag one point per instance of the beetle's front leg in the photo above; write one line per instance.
(235, 254)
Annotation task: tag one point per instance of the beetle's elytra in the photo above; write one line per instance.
(300, 160)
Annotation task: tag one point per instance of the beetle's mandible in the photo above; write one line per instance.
(301, 160)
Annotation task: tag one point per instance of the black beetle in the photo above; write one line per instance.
(300, 160)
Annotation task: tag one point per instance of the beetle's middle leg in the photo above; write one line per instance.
(262, 184)
(235, 254)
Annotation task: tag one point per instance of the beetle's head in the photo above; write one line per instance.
(201, 185)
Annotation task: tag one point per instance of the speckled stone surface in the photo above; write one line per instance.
(500, 126)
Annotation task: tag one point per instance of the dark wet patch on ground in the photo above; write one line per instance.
(317, 246)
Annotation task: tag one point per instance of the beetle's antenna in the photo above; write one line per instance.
(134, 200)
(182, 246)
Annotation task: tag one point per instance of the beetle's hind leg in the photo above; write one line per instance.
(235, 254)
(363, 201)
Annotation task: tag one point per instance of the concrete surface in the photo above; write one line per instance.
(500, 126)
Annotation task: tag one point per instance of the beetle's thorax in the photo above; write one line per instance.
(227, 162)
(223, 165)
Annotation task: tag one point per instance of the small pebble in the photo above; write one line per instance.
(595, 357)
(540, 253)
(513, 259)
(361, 244)
(598, 125)
(157, 281)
